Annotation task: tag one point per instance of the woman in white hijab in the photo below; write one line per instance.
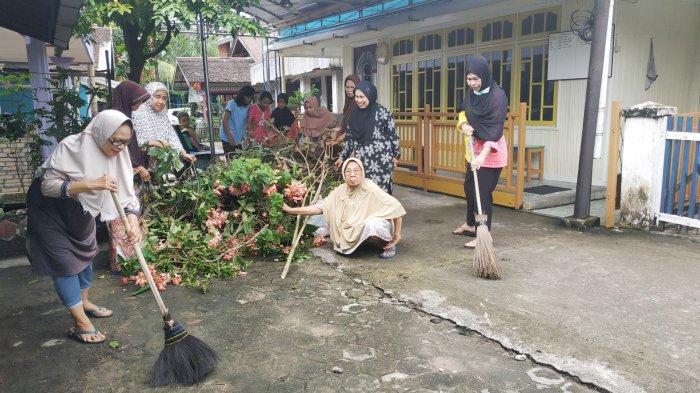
(358, 210)
(71, 189)
(151, 124)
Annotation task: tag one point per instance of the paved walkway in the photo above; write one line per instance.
(606, 311)
(618, 309)
(316, 331)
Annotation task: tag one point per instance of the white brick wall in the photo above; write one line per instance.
(9, 179)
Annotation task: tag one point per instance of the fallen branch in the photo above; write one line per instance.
(312, 197)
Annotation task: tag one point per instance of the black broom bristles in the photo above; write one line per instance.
(185, 360)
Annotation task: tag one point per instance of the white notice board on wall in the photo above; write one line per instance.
(568, 56)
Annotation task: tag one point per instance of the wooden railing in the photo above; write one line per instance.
(613, 164)
(432, 154)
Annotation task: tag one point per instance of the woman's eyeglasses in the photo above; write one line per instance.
(119, 143)
(351, 171)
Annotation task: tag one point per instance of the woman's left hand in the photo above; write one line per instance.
(478, 161)
(134, 232)
(189, 157)
(395, 161)
(394, 241)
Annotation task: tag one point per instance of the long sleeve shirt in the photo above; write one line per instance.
(55, 184)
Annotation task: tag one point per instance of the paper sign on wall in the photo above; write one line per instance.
(568, 56)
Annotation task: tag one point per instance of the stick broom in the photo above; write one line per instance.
(185, 359)
(486, 263)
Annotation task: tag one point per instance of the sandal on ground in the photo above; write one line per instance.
(463, 231)
(77, 335)
(99, 312)
(388, 254)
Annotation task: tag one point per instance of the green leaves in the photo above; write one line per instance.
(167, 162)
(149, 25)
(211, 227)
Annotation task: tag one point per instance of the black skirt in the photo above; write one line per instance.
(60, 234)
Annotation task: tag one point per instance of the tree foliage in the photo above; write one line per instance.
(148, 26)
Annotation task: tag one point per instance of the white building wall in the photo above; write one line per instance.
(293, 66)
(674, 27)
(672, 24)
(694, 92)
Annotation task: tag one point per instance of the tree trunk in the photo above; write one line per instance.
(134, 49)
(135, 41)
(136, 64)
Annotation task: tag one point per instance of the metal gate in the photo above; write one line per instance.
(680, 191)
(432, 154)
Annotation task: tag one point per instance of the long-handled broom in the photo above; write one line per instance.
(185, 359)
(486, 263)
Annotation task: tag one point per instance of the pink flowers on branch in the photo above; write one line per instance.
(160, 279)
(216, 219)
(238, 191)
(214, 242)
(269, 190)
(296, 192)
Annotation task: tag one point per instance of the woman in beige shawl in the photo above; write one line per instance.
(358, 210)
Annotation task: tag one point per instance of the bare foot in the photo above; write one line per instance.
(471, 244)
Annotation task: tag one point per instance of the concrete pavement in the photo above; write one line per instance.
(599, 311)
(619, 310)
(316, 331)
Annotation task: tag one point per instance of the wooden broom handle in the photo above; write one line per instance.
(476, 182)
(142, 260)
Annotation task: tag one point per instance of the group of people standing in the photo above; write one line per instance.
(366, 129)
(75, 183)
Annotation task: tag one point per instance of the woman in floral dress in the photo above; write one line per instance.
(372, 137)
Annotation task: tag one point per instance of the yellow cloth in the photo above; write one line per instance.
(467, 140)
(346, 210)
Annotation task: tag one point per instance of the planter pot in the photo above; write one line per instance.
(13, 233)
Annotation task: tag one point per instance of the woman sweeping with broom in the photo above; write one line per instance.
(90, 174)
(483, 115)
(73, 188)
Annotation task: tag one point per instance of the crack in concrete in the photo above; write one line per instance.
(328, 258)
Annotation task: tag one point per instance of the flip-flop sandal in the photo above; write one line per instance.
(388, 254)
(99, 312)
(76, 334)
(464, 232)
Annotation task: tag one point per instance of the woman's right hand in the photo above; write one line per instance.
(467, 129)
(143, 174)
(105, 182)
(158, 143)
(338, 163)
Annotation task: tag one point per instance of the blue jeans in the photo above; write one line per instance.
(69, 288)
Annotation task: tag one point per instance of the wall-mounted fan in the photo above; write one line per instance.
(366, 66)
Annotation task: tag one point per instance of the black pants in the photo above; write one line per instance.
(229, 148)
(488, 180)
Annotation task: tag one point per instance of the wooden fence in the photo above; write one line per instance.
(432, 154)
(680, 190)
